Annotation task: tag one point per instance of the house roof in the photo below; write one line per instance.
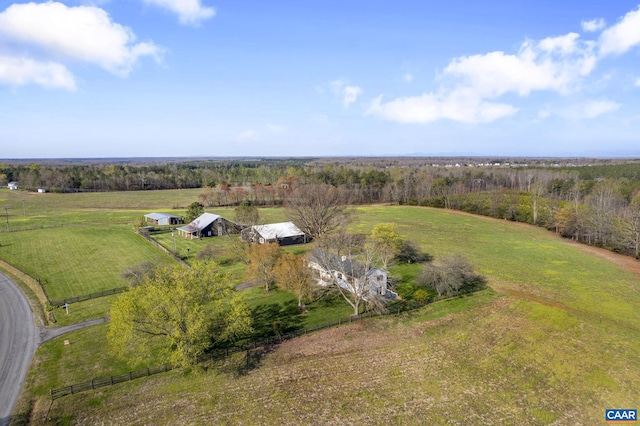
(201, 222)
(333, 262)
(158, 216)
(278, 230)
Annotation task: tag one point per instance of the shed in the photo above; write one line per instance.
(41, 190)
(209, 225)
(162, 219)
(12, 186)
(283, 233)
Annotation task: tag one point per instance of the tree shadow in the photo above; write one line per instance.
(275, 319)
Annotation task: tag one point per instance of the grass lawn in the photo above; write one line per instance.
(78, 260)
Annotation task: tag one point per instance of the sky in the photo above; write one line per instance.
(192, 78)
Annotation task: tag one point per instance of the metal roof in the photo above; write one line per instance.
(278, 230)
(158, 216)
(200, 222)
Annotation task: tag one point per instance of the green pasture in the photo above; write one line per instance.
(77, 260)
(554, 341)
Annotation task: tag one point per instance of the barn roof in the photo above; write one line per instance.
(278, 230)
(201, 222)
(158, 216)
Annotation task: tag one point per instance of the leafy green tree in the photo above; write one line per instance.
(262, 263)
(179, 311)
(292, 274)
(386, 242)
(194, 210)
(247, 213)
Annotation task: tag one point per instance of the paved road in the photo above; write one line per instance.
(19, 339)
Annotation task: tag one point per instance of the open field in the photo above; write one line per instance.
(483, 359)
(557, 342)
(77, 260)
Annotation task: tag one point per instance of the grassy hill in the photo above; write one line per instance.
(554, 340)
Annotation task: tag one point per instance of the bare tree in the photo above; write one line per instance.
(317, 209)
(452, 275)
(345, 262)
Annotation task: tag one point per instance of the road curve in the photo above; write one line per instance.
(19, 339)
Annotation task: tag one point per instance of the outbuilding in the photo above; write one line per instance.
(209, 225)
(162, 219)
(283, 233)
(12, 186)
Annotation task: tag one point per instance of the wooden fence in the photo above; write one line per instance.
(222, 353)
(95, 295)
(212, 356)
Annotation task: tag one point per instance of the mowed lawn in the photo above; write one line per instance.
(77, 260)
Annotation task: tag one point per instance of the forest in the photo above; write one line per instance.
(596, 202)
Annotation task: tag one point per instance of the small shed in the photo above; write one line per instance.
(162, 219)
(12, 186)
(209, 225)
(41, 190)
(284, 233)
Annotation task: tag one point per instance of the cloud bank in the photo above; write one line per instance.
(472, 85)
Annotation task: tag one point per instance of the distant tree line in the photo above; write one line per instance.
(594, 204)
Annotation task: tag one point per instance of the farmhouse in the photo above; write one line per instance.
(162, 219)
(12, 186)
(209, 225)
(350, 275)
(284, 233)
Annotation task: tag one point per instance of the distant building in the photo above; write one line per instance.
(12, 186)
(41, 190)
(283, 233)
(209, 225)
(162, 219)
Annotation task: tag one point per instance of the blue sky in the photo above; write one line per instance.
(124, 78)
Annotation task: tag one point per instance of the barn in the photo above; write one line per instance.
(162, 219)
(284, 233)
(209, 225)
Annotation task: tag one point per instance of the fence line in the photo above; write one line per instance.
(161, 247)
(95, 295)
(223, 353)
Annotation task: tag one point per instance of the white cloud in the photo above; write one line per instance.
(471, 82)
(351, 94)
(247, 135)
(637, 82)
(190, 12)
(83, 33)
(589, 110)
(622, 36)
(408, 77)
(461, 105)
(556, 63)
(593, 25)
(16, 71)
(348, 93)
